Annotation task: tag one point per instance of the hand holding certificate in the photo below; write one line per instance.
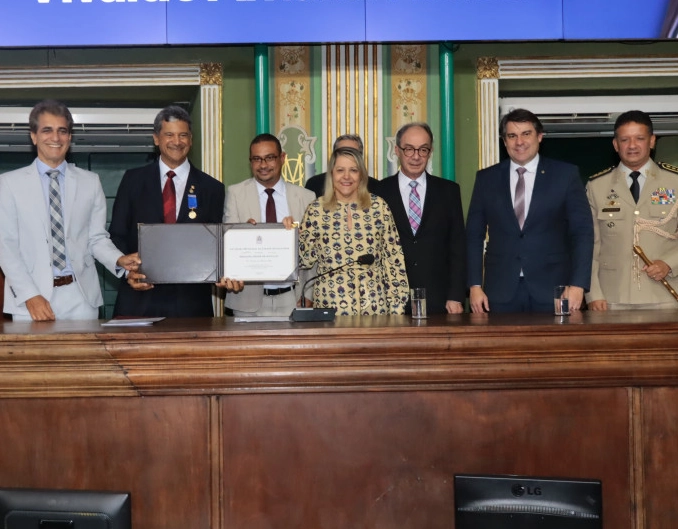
(261, 253)
(204, 253)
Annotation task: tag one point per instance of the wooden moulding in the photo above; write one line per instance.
(216, 356)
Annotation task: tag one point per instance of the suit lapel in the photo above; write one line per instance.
(398, 208)
(540, 192)
(70, 191)
(429, 199)
(153, 193)
(506, 193)
(35, 193)
(191, 182)
(621, 187)
(252, 201)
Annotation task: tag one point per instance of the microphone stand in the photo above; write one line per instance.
(315, 314)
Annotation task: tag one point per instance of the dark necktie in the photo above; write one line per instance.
(169, 199)
(270, 206)
(635, 186)
(56, 221)
(519, 198)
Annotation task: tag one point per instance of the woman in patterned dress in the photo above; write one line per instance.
(343, 224)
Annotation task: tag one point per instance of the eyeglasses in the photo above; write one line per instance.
(266, 159)
(409, 151)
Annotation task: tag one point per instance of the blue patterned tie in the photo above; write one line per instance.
(57, 221)
(414, 212)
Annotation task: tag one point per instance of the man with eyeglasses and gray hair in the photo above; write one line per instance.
(317, 183)
(429, 217)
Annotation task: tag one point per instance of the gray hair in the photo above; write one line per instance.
(49, 106)
(171, 113)
(349, 137)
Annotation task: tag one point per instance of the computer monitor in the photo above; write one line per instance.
(522, 502)
(64, 509)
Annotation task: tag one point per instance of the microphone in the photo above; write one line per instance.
(314, 314)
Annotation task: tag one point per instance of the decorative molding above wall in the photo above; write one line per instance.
(490, 71)
(206, 76)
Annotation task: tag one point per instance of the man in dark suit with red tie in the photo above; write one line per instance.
(169, 190)
(534, 213)
(428, 214)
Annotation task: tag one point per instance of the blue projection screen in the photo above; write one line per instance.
(458, 20)
(42, 23)
(26, 23)
(265, 21)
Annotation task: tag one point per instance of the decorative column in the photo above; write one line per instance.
(211, 82)
(487, 92)
(352, 77)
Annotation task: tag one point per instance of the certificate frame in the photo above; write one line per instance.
(260, 253)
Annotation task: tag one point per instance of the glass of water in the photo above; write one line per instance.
(418, 299)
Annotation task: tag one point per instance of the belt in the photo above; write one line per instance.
(62, 281)
(276, 291)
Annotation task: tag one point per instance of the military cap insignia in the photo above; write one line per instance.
(601, 173)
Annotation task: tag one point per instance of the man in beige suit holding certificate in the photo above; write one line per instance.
(265, 197)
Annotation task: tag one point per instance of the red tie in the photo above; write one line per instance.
(270, 206)
(169, 199)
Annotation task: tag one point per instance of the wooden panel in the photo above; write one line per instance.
(387, 460)
(660, 437)
(156, 448)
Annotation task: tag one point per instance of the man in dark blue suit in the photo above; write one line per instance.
(537, 221)
(199, 198)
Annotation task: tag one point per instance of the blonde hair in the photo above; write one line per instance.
(329, 198)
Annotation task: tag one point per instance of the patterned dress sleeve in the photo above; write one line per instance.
(395, 274)
(309, 234)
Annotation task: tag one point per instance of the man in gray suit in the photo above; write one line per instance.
(247, 202)
(52, 227)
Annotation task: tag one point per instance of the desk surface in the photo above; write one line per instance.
(218, 356)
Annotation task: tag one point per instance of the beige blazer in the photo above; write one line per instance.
(613, 276)
(242, 204)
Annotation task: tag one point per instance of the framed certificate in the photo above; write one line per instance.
(203, 253)
(261, 253)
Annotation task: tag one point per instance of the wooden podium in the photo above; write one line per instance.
(358, 423)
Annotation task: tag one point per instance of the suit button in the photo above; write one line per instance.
(522, 235)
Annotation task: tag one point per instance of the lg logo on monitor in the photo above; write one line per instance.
(520, 490)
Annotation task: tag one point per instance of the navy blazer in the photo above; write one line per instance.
(139, 200)
(555, 246)
(436, 256)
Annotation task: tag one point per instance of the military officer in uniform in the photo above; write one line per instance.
(634, 204)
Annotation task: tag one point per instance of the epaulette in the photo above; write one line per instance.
(668, 167)
(603, 172)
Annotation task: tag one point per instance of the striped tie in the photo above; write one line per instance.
(57, 221)
(414, 212)
(519, 198)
